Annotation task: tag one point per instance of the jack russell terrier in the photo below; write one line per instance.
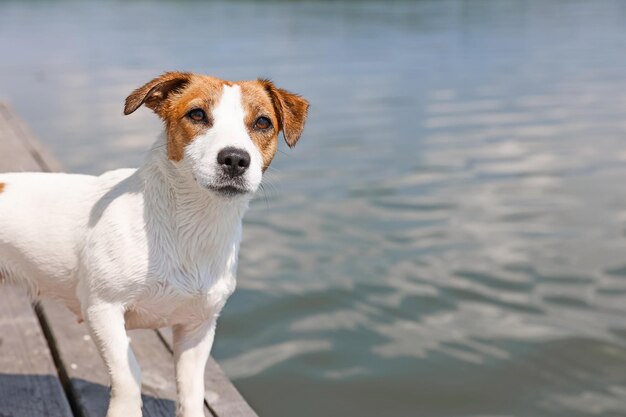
(156, 246)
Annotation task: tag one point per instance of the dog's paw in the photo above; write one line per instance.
(123, 409)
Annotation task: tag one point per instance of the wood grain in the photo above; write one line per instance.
(29, 384)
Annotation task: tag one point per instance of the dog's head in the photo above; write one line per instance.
(224, 133)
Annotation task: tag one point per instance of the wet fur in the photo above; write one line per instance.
(155, 246)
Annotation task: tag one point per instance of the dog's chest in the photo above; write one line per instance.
(188, 290)
(179, 264)
(168, 303)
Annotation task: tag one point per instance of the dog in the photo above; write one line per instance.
(155, 246)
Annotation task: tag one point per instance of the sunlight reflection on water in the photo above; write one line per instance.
(448, 237)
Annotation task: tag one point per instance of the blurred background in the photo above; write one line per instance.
(447, 239)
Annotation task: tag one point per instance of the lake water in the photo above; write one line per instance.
(447, 239)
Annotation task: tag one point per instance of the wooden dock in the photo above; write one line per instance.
(48, 364)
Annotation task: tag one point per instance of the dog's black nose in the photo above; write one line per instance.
(234, 161)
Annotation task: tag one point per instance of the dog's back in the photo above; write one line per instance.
(43, 218)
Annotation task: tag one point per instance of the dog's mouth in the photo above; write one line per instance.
(225, 186)
(228, 190)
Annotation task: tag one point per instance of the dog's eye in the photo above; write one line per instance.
(197, 115)
(262, 123)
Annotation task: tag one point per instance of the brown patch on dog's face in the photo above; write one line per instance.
(180, 99)
(173, 96)
(257, 104)
(286, 111)
(201, 93)
(1, 187)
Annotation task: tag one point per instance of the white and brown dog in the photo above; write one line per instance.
(156, 246)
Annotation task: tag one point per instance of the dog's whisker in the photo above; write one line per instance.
(267, 204)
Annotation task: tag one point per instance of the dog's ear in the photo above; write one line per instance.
(291, 110)
(156, 91)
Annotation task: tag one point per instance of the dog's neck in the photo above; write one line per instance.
(194, 217)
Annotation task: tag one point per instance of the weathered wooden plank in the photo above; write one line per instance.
(14, 156)
(29, 383)
(223, 398)
(19, 151)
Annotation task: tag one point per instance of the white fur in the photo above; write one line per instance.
(228, 130)
(143, 248)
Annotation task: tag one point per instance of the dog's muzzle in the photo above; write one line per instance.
(232, 165)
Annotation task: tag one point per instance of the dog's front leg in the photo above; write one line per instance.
(106, 325)
(192, 347)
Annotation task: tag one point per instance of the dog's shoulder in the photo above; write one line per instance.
(116, 179)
